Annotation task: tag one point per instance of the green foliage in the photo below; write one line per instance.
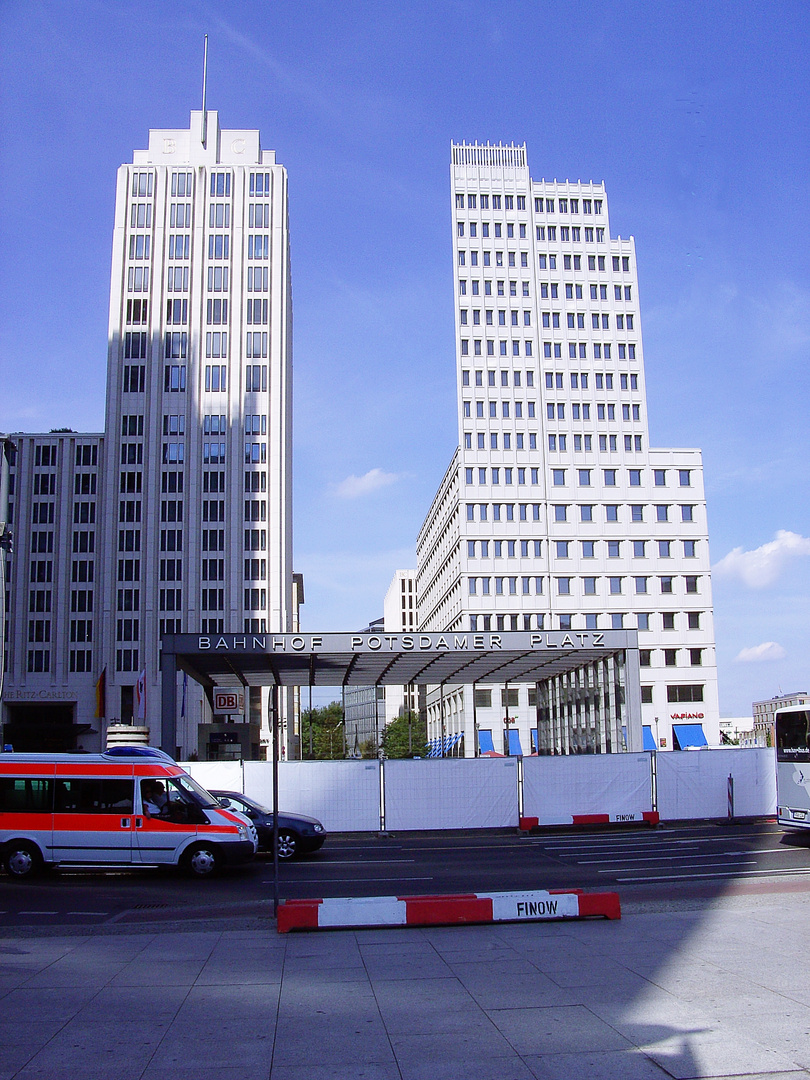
(405, 737)
(368, 748)
(322, 735)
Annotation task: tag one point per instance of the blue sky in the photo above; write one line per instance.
(694, 114)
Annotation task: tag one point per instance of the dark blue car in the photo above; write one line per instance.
(297, 834)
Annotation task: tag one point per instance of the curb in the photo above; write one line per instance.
(648, 817)
(378, 911)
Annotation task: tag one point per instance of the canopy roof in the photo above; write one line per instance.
(236, 660)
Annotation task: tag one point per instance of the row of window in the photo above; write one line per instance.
(626, 351)
(609, 478)
(615, 620)
(555, 442)
(510, 202)
(481, 512)
(486, 258)
(582, 411)
(564, 549)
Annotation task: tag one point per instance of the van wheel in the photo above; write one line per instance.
(201, 861)
(287, 844)
(22, 860)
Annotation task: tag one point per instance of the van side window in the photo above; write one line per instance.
(26, 795)
(93, 795)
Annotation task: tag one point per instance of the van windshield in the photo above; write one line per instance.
(197, 793)
(793, 735)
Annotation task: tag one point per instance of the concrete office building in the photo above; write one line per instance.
(555, 512)
(192, 482)
(764, 733)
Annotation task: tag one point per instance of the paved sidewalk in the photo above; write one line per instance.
(720, 991)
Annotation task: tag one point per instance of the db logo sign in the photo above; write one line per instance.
(227, 701)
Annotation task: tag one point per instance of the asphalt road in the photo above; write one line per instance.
(641, 864)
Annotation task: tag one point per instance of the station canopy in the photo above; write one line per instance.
(338, 659)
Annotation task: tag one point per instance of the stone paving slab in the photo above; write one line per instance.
(714, 991)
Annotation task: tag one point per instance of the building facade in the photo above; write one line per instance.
(192, 481)
(555, 512)
(765, 715)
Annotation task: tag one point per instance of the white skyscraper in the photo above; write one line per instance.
(194, 527)
(555, 512)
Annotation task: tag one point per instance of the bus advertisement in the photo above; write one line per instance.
(793, 767)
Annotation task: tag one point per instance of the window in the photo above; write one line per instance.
(640, 584)
(690, 549)
(687, 513)
(589, 586)
(668, 620)
(220, 184)
(614, 549)
(617, 621)
(684, 693)
(562, 549)
(685, 477)
(696, 657)
(615, 584)
(588, 549)
(558, 477)
(693, 620)
(560, 513)
(660, 477)
(662, 513)
(563, 586)
(664, 549)
(611, 513)
(666, 584)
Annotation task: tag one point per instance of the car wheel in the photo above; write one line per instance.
(288, 844)
(201, 861)
(22, 860)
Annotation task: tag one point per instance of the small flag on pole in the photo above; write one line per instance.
(101, 695)
(183, 699)
(140, 694)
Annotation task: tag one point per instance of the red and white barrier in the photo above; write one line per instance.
(648, 816)
(445, 910)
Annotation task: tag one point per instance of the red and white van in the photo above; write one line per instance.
(95, 809)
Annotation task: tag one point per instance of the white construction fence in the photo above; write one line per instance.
(485, 793)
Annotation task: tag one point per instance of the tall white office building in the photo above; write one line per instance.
(199, 397)
(555, 512)
(192, 522)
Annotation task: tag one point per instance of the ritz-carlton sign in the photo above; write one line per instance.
(513, 641)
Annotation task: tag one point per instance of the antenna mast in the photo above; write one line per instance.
(205, 82)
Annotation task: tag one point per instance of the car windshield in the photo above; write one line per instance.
(198, 793)
(254, 805)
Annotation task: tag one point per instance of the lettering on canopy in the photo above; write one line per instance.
(396, 643)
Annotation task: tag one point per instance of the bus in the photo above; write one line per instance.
(793, 766)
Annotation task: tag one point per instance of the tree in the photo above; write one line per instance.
(322, 736)
(405, 737)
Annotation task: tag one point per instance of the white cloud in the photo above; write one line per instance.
(353, 487)
(756, 654)
(761, 567)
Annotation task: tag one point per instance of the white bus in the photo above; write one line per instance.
(793, 766)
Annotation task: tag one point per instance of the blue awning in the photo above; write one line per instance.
(515, 749)
(485, 744)
(687, 735)
(450, 741)
(533, 733)
(649, 741)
